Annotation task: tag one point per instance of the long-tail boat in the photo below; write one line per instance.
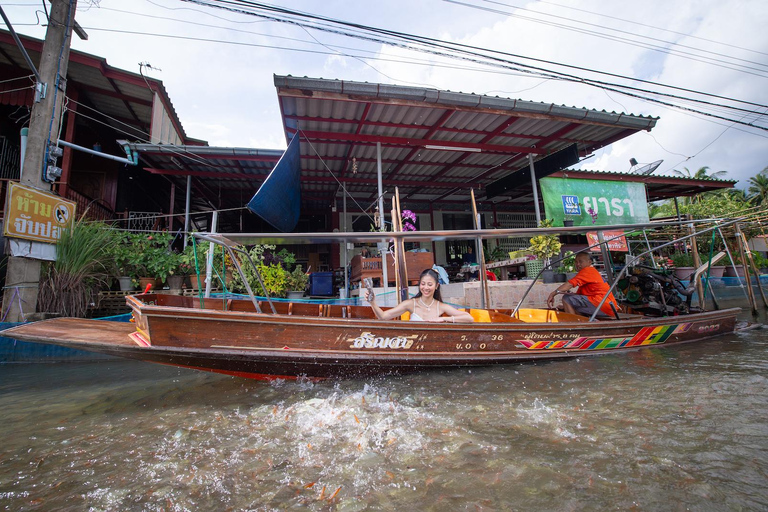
(263, 338)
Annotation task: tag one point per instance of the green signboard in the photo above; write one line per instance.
(599, 202)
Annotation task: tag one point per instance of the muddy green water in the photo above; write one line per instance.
(660, 429)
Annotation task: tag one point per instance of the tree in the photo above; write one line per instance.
(758, 188)
(702, 174)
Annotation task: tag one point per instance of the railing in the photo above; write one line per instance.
(92, 208)
(10, 167)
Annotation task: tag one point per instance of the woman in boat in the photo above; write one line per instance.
(426, 306)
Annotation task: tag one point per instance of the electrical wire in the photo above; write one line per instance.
(466, 54)
(662, 49)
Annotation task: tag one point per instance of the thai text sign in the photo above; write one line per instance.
(35, 215)
(588, 202)
(615, 240)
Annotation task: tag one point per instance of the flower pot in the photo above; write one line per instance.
(730, 272)
(560, 278)
(126, 283)
(684, 272)
(144, 281)
(570, 275)
(548, 276)
(567, 223)
(532, 267)
(175, 282)
(296, 294)
(716, 271)
(190, 282)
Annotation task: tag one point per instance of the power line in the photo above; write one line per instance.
(470, 55)
(598, 34)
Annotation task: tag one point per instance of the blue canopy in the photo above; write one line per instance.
(278, 200)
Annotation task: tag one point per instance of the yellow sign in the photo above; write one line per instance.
(35, 215)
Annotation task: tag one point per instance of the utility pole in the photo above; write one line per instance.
(23, 274)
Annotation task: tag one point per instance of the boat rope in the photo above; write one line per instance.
(16, 295)
(197, 271)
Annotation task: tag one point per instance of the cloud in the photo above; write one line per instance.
(224, 93)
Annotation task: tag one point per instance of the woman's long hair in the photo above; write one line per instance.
(434, 275)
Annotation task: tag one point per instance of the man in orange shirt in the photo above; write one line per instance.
(591, 291)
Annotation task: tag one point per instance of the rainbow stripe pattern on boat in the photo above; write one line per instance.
(654, 335)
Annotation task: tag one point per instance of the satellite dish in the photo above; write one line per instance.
(648, 168)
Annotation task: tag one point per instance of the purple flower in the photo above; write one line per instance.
(409, 220)
(592, 213)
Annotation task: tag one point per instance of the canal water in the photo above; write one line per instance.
(659, 429)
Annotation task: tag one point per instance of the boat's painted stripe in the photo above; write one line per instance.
(139, 339)
(645, 336)
(640, 336)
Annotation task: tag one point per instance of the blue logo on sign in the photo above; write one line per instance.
(571, 205)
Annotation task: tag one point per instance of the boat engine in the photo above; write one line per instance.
(655, 292)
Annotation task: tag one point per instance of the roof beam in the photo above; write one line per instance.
(408, 142)
(430, 133)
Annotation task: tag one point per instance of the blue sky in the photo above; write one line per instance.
(224, 93)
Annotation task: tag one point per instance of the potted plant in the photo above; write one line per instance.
(296, 282)
(733, 268)
(274, 277)
(544, 247)
(684, 265)
(186, 266)
(568, 265)
(84, 255)
(153, 258)
(122, 255)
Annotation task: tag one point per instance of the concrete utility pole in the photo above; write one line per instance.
(23, 275)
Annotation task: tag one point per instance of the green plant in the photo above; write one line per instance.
(545, 246)
(185, 264)
(760, 261)
(568, 263)
(122, 255)
(497, 254)
(84, 260)
(274, 277)
(682, 259)
(297, 280)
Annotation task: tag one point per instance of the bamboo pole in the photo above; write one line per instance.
(748, 278)
(485, 296)
(402, 270)
(754, 267)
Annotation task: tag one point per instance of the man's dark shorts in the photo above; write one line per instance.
(581, 305)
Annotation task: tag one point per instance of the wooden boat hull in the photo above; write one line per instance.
(289, 345)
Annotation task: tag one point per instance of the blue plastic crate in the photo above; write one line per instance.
(321, 283)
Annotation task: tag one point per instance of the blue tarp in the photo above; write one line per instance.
(278, 200)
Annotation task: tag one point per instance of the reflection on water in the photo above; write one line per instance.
(658, 429)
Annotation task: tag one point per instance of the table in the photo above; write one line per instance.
(505, 265)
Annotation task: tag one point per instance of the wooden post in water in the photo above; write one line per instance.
(743, 239)
(745, 266)
(485, 295)
(402, 268)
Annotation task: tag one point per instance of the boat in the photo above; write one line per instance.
(266, 339)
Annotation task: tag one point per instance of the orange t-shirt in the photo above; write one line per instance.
(592, 286)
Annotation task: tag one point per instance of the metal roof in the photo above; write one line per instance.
(436, 145)
(119, 98)
(221, 177)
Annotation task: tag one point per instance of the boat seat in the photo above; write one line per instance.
(480, 315)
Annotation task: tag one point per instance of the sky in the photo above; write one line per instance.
(218, 66)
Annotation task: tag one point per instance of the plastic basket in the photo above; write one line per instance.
(533, 267)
